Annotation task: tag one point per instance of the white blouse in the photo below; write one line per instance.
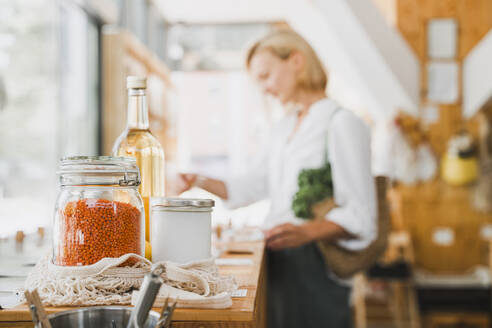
(275, 174)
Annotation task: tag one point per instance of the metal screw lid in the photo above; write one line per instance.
(185, 202)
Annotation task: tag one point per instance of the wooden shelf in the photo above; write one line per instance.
(124, 55)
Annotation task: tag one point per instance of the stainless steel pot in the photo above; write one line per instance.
(98, 316)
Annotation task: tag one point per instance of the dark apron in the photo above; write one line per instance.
(301, 293)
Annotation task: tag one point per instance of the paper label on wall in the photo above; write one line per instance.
(441, 38)
(430, 114)
(442, 80)
(486, 232)
(443, 236)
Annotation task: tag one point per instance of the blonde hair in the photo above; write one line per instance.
(282, 43)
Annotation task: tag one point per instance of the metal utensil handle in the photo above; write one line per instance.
(34, 313)
(148, 292)
(166, 314)
(169, 315)
(162, 317)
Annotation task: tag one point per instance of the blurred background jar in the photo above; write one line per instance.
(459, 165)
(99, 212)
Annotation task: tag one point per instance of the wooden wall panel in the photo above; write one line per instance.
(475, 18)
(427, 207)
(437, 9)
(422, 208)
(409, 23)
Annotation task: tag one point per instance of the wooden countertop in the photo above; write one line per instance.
(246, 311)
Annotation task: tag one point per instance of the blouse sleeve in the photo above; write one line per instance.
(252, 186)
(354, 188)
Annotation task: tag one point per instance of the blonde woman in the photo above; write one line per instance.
(302, 292)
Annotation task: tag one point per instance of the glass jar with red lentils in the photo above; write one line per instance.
(99, 212)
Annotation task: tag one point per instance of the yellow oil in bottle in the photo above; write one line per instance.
(149, 154)
(137, 141)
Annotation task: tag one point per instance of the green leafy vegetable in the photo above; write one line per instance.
(314, 186)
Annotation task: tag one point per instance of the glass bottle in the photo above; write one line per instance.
(138, 142)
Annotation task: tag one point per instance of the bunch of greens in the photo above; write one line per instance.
(315, 185)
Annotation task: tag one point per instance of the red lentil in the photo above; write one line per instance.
(91, 229)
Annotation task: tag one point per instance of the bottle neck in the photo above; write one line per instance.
(138, 115)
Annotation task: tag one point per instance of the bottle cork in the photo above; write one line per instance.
(136, 82)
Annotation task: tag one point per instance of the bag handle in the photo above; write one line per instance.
(330, 119)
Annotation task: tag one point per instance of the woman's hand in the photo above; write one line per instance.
(185, 182)
(288, 235)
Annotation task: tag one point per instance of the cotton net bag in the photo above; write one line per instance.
(107, 282)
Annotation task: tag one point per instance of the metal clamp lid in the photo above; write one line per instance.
(99, 170)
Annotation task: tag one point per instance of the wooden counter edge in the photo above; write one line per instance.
(246, 313)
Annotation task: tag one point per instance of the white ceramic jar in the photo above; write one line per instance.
(181, 229)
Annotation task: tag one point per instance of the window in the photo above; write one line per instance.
(211, 46)
(49, 65)
(79, 112)
(144, 20)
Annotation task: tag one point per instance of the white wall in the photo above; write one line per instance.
(477, 76)
(371, 67)
(222, 11)
(370, 63)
